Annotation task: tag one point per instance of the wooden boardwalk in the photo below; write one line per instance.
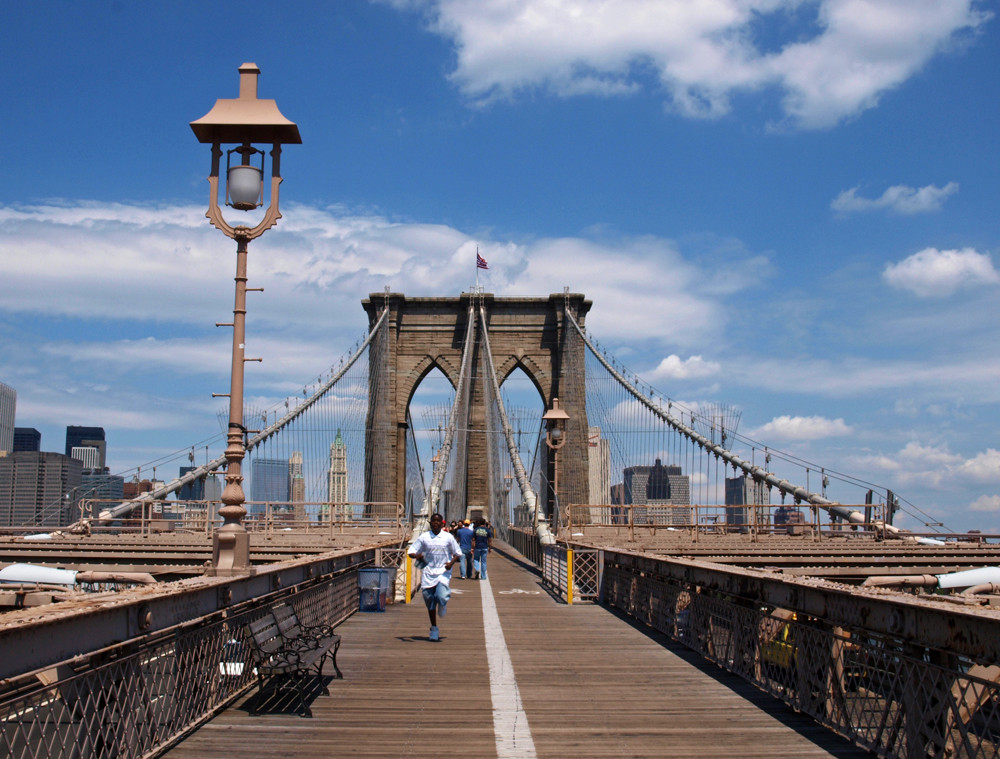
(591, 683)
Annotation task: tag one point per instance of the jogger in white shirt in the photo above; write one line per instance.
(439, 552)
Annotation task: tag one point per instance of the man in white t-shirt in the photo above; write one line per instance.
(438, 552)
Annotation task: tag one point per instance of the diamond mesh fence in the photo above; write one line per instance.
(894, 698)
(133, 699)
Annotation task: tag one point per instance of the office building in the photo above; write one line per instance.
(88, 455)
(742, 492)
(662, 489)
(27, 439)
(268, 484)
(136, 488)
(8, 407)
(192, 491)
(599, 474)
(296, 488)
(87, 437)
(102, 487)
(39, 489)
(337, 495)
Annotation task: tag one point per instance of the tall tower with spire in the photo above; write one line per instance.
(337, 480)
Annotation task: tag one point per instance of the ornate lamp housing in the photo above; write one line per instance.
(244, 121)
(555, 425)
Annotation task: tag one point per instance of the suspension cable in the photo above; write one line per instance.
(176, 484)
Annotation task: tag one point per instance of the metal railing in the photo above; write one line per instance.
(572, 573)
(184, 659)
(899, 676)
(753, 521)
(268, 517)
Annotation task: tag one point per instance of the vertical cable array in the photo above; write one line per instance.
(661, 448)
(416, 492)
(505, 470)
(452, 456)
(290, 453)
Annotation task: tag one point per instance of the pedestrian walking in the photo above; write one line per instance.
(482, 537)
(464, 536)
(437, 550)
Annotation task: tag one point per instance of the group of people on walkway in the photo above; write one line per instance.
(438, 550)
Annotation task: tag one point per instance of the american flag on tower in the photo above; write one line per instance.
(481, 262)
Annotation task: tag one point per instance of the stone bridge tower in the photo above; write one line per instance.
(526, 333)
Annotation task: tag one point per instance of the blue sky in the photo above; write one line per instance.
(786, 206)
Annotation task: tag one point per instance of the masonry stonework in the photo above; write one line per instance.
(526, 333)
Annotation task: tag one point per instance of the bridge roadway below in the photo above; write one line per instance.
(590, 684)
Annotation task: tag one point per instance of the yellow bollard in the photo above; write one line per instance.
(409, 577)
(569, 575)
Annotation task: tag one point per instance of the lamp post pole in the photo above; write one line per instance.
(228, 546)
(555, 438)
(242, 121)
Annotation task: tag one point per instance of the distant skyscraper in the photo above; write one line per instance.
(213, 487)
(27, 439)
(39, 489)
(268, 483)
(83, 437)
(192, 491)
(89, 455)
(297, 487)
(8, 407)
(742, 492)
(337, 479)
(599, 473)
(102, 487)
(658, 486)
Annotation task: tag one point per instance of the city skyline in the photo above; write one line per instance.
(756, 223)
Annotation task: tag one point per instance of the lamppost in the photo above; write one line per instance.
(241, 121)
(555, 438)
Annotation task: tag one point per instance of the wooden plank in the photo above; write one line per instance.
(592, 684)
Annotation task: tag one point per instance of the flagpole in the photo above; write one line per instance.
(477, 268)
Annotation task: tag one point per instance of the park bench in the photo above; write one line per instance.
(298, 635)
(276, 657)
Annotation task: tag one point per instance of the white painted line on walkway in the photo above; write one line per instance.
(510, 723)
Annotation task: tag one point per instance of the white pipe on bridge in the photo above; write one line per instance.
(29, 574)
(981, 579)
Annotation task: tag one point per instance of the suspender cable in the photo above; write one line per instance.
(530, 499)
(173, 486)
(757, 473)
(433, 495)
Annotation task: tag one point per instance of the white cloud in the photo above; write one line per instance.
(168, 266)
(674, 367)
(936, 466)
(986, 503)
(933, 272)
(984, 467)
(801, 428)
(900, 199)
(828, 67)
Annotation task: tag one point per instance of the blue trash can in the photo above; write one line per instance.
(373, 589)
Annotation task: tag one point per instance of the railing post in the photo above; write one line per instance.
(569, 576)
(408, 563)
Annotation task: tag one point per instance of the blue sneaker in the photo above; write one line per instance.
(434, 634)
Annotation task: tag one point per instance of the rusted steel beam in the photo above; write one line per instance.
(973, 631)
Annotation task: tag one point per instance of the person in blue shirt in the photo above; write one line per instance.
(464, 536)
(482, 544)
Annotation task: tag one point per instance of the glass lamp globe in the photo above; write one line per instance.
(245, 186)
